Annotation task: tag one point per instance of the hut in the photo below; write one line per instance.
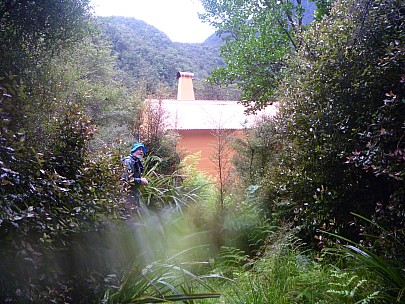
(198, 121)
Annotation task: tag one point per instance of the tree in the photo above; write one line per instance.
(221, 158)
(33, 30)
(48, 179)
(258, 35)
(32, 33)
(151, 128)
(334, 103)
(86, 74)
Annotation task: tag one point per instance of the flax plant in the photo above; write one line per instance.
(161, 282)
(169, 191)
(167, 255)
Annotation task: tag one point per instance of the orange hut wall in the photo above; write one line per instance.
(204, 141)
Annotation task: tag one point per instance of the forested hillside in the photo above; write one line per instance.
(151, 58)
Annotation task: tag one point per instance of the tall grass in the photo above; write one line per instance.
(176, 262)
(188, 251)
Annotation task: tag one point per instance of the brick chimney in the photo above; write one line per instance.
(185, 90)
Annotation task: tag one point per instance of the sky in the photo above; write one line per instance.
(178, 19)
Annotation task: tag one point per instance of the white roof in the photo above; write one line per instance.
(209, 114)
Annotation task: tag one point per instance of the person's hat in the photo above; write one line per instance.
(138, 145)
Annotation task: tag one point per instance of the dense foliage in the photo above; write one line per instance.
(53, 191)
(258, 35)
(32, 30)
(327, 170)
(335, 105)
(336, 146)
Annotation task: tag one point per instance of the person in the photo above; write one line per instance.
(135, 168)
